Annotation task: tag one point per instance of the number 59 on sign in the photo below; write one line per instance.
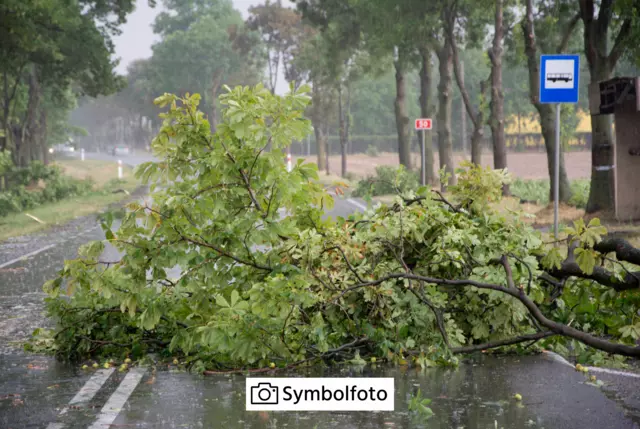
(423, 124)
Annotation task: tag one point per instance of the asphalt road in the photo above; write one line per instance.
(38, 392)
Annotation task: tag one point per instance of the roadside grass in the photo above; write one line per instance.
(102, 172)
(330, 181)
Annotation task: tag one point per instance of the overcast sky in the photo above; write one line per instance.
(137, 37)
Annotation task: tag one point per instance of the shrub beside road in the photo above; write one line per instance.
(43, 196)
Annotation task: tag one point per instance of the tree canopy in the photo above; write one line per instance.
(49, 47)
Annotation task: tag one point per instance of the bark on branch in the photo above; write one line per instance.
(624, 252)
(621, 40)
(519, 294)
(568, 32)
(601, 275)
(623, 249)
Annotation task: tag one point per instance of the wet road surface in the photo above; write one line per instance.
(35, 390)
(475, 395)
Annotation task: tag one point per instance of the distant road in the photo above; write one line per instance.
(342, 207)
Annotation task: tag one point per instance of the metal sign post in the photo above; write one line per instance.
(559, 80)
(421, 125)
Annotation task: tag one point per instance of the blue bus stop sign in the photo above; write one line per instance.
(559, 78)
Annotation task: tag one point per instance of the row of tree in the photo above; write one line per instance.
(410, 33)
(340, 47)
(52, 51)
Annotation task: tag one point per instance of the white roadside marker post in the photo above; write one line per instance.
(289, 162)
(82, 154)
(119, 169)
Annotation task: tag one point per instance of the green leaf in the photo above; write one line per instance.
(553, 259)
(631, 331)
(234, 297)
(222, 302)
(586, 259)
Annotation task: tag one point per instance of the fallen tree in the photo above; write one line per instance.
(427, 278)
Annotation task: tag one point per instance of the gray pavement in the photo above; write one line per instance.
(38, 392)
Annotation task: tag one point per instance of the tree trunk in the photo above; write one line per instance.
(321, 145)
(215, 85)
(347, 132)
(601, 192)
(477, 138)
(601, 63)
(328, 151)
(402, 118)
(445, 144)
(547, 116)
(602, 184)
(497, 96)
(342, 132)
(44, 147)
(6, 103)
(519, 139)
(547, 123)
(476, 114)
(29, 132)
(318, 119)
(463, 116)
(426, 110)
(476, 145)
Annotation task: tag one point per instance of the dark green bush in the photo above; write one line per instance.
(24, 192)
(537, 191)
(580, 193)
(387, 180)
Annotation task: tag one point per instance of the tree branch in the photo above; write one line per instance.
(494, 344)
(456, 71)
(507, 269)
(623, 249)
(620, 43)
(519, 294)
(224, 253)
(246, 182)
(570, 268)
(346, 260)
(567, 34)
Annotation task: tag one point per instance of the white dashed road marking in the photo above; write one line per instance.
(28, 255)
(35, 252)
(87, 392)
(115, 403)
(357, 204)
(561, 359)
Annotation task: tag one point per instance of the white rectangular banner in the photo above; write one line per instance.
(320, 394)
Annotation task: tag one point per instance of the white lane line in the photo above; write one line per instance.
(115, 403)
(87, 392)
(28, 255)
(559, 358)
(35, 252)
(357, 204)
(613, 371)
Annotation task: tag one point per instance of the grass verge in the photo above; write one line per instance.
(102, 172)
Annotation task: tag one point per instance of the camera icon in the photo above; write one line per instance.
(264, 394)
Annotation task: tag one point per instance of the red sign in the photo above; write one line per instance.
(423, 124)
